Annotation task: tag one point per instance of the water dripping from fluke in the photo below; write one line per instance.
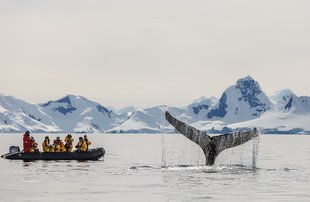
(255, 147)
(212, 146)
(163, 151)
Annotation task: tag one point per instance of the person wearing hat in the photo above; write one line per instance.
(81, 145)
(46, 145)
(27, 143)
(69, 143)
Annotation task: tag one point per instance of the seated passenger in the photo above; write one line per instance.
(69, 143)
(58, 145)
(62, 146)
(81, 145)
(34, 145)
(46, 145)
(87, 142)
(55, 146)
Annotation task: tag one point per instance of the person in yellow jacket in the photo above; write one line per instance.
(58, 145)
(81, 145)
(69, 143)
(34, 145)
(55, 146)
(87, 141)
(62, 146)
(46, 145)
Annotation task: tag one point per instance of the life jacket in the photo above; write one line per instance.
(62, 146)
(81, 146)
(56, 147)
(46, 146)
(87, 143)
(78, 145)
(84, 147)
(34, 147)
(69, 144)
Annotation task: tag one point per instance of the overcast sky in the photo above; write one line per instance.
(145, 53)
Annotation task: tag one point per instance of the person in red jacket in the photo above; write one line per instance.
(27, 142)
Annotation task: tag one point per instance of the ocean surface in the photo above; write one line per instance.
(162, 167)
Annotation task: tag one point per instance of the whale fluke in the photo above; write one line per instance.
(211, 146)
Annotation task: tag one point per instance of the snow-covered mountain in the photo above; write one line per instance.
(198, 110)
(241, 102)
(149, 120)
(68, 114)
(17, 115)
(286, 101)
(290, 114)
(78, 114)
(242, 105)
(152, 120)
(129, 109)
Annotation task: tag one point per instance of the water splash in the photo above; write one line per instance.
(245, 154)
(255, 147)
(163, 152)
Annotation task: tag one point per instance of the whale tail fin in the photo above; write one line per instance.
(211, 146)
(229, 140)
(195, 135)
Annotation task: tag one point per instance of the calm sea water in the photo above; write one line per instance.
(163, 168)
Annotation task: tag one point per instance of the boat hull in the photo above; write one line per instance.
(92, 154)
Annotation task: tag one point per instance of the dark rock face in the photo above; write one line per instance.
(249, 89)
(62, 100)
(198, 108)
(65, 100)
(211, 146)
(289, 104)
(47, 104)
(63, 110)
(220, 111)
(104, 110)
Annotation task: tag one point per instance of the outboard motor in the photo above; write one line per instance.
(14, 149)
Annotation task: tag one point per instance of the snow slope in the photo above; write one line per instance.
(242, 105)
(78, 114)
(149, 120)
(198, 110)
(289, 113)
(17, 115)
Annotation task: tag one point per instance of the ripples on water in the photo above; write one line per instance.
(233, 169)
(164, 168)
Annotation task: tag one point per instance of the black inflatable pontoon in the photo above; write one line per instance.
(92, 154)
